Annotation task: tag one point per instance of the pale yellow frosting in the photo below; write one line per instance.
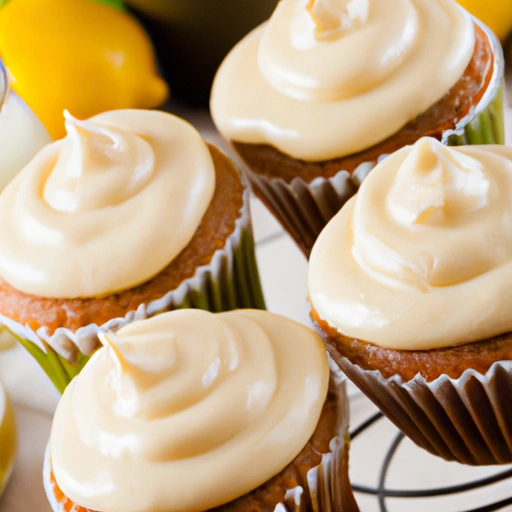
(421, 257)
(105, 208)
(188, 410)
(327, 78)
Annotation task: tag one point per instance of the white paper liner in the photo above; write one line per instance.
(468, 419)
(327, 488)
(305, 208)
(68, 343)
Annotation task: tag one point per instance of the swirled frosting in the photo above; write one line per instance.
(327, 78)
(188, 410)
(421, 258)
(105, 208)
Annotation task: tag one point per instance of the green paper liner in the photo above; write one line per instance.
(487, 127)
(303, 208)
(229, 281)
(326, 487)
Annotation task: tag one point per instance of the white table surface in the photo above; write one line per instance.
(283, 273)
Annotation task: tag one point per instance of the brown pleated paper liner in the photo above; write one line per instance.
(468, 419)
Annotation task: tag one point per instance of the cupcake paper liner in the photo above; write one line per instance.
(302, 208)
(305, 208)
(229, 281)
(468, 419)
(327, 489)
(484, 123)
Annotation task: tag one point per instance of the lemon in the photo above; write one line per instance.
(7, 438)
(78, 55)
(496, 14)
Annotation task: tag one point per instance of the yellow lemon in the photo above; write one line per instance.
(7, 438)
(496, 14)
(78, 55)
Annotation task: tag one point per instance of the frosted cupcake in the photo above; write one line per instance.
(410, 288)
(314, 98)
(130, 215)
(166, 419)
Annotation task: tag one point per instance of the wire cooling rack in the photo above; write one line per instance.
(391, 474)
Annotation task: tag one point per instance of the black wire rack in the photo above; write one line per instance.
(382, 493)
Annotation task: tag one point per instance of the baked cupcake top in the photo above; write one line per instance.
(188, 410)
(327, 78)
(107, 207)
(421, 257)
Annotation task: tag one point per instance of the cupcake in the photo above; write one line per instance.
(130, 215)
(314, 98)
(410, 288)
(7, 439)
(164, 418)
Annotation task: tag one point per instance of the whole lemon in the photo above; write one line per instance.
(7, 438)
(496, 14)
(78, 55)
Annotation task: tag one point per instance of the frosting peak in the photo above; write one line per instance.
(107, 207)
(437, 186)
(98, 166)
(420, 258)
(333, 16)
(188, 410)
(335, 50)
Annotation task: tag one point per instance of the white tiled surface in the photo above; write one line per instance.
(283, 273)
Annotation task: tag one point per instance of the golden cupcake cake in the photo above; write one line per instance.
(315, 97)
(165, 418)
(130, 215)
(410, 288)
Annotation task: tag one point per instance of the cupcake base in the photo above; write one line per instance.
(463, 418)
(466, 420)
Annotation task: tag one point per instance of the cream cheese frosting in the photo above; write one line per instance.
(327, 78)
(107, 207)
(421, 257)
(188, 410)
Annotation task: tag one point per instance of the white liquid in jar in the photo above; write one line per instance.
(22, 135)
